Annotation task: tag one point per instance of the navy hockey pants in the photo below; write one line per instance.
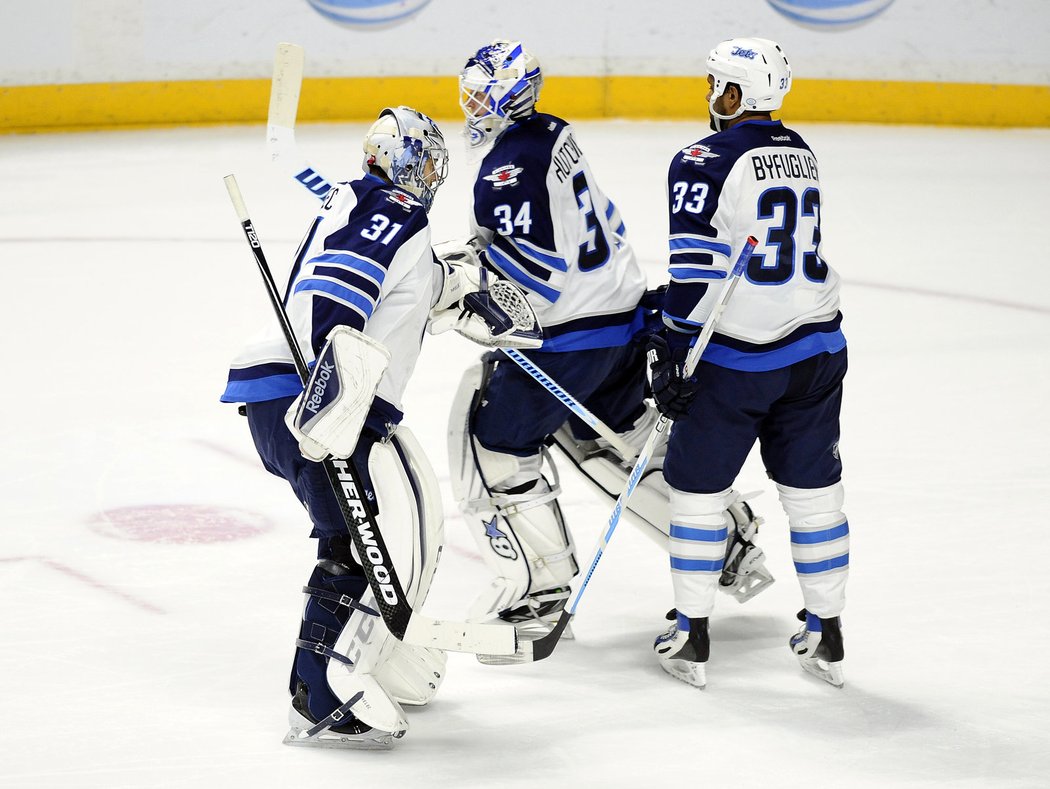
(280, 455)
(517, 413)
(792, 412)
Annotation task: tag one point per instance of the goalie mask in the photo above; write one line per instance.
(758, 67)
(409, 147)
(499, 85)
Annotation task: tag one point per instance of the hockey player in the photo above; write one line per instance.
(539, 219)
(365, 271)
(773, 371)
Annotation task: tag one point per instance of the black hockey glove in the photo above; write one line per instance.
(667, 361)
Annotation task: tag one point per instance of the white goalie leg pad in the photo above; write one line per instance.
(607, 471)
(521, 536)
(413, 674)
(699, 535)
(328, 416)
(523, 539)
(819, 545)
(410, 519)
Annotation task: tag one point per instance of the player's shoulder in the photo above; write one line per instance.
(374, 195)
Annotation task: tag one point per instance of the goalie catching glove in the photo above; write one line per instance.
(328, 416)
(483, 308)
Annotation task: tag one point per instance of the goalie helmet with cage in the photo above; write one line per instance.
(757, 66)
(499, 84)
(409, 147)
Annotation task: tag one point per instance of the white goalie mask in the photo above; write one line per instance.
(409, 147)
(499, 85)
(758, 66)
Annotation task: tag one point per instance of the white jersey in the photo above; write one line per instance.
(758, 179)
(366, 262)
(549, 228)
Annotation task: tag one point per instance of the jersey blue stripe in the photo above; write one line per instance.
(604, 337)
(259, 389)
(699, 243)
(683, 273)
(758, 362)
(340, 292)
(508, 267)
(547, 258)
(825, 535)
(366, 267)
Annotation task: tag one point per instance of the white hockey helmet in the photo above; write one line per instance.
(758, 66)
(409, 147)
(499, 85)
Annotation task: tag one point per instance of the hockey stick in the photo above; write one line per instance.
(531, 651)
(280, 122)
(404, 623)
(626, 451)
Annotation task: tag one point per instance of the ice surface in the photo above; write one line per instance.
(150, 569)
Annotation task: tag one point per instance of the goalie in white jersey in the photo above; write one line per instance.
(365, 273)
(774, 368)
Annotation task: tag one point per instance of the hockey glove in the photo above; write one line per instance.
(672, 392)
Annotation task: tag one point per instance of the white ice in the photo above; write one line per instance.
(159, 657)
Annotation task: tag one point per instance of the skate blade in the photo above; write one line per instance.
(368, 741)
(687, 671)
(829, 672)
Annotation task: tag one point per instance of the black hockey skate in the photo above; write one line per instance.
(818, 646)
(684, 649)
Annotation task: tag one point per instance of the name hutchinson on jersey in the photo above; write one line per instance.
(784, 165)
(565, 157)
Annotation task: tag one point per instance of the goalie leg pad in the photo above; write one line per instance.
(513, 516)
(819, 545)
(345, 650)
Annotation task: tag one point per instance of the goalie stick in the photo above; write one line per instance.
(285, 88)
(404, 623)
(531, 651)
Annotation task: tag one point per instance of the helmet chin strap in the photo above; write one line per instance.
(717, 118)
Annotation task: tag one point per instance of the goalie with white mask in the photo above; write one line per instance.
(539, 220)
(359, 296)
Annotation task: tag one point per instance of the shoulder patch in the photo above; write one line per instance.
(505, 175)
(698, 153)
(402, 198)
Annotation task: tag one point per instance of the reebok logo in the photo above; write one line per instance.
(324, 375)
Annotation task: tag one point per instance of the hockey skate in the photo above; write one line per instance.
(683, 650)
(339, 730)
(818, 646)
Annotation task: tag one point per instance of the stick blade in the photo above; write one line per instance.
(471, 637)
(530, 651)
(285, 85)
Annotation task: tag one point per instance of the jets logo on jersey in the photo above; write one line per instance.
(507, 175)
(403, 199)
(697, 153)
